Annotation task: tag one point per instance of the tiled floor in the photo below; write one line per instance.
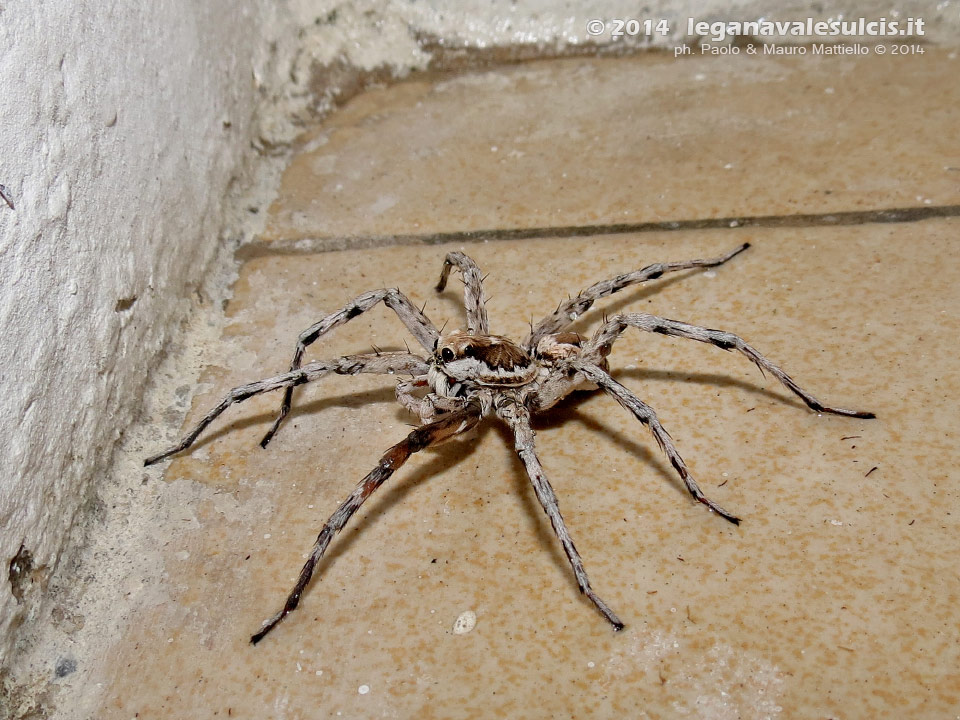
(838, 596)
(576, 142)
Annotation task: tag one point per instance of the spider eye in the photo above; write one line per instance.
(447, 354)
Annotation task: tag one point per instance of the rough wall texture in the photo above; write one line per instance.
(122, 127)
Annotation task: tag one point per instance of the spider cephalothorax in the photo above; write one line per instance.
(471, 366)
(470, 374)
(488, 360)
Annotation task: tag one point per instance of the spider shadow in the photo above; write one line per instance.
(543, 530)
(450, 302)
(562, 414)
(568, 410)
(355, 400)
(452, 298)
(639, 292)
(448, 455)
(714, 379)
(443, 458)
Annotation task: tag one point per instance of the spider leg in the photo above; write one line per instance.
(423, 437)
(518, 418)
(414, 319)
(645, 414)
(599, 347)
(572, 308)
(474, 300)
(384, 363)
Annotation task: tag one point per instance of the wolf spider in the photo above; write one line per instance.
(469, 374)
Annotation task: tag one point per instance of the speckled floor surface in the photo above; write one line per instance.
(837, 596)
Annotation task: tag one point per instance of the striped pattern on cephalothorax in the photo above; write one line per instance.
(488, 360)
(466, 376)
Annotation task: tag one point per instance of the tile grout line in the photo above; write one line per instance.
(315, 245)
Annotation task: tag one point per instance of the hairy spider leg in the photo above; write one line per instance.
(474, 299)
(646, 415)
(414, 319)
(423, 437)
(599, 347)
(573, 308)
(380, 364)
(518, 418)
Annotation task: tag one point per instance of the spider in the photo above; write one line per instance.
(471, 374)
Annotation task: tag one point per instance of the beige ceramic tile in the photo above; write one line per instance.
(838, 596)
(630, 140)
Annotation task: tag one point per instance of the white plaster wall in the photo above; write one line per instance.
(121, 125)
(373, 33)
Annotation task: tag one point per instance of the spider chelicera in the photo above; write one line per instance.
(471, 374)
